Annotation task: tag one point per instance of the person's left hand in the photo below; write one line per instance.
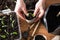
(39, 9)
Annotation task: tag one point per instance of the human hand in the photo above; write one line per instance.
(39, 9)
(19, 8)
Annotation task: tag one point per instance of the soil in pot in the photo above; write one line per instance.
(39, 37)
(30, 15)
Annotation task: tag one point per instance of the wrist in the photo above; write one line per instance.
(42, 1)
(19, 0)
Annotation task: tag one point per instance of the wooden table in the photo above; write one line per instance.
(41, 30)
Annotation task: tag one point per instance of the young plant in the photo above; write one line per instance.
(14, 33)
(3, 36)
(6, 32)
(0, 18)
(2, 22)
(4, 17)
(13, 23)
(10, 17)
(30, 16)
(7, 29)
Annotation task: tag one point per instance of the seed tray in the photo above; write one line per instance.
(9, 26)
(52, 17)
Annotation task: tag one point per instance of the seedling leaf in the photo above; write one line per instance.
(12, 25)
(4, 26)
(10, 17)
(3, 36)
(0, 18)
(13, 21)
(4, 17)
(15, 33)
(6, 31)
(2, 22)
(31, 14)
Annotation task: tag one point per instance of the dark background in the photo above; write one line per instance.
(4, 4)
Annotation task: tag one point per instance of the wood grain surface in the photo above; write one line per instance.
(41, 30)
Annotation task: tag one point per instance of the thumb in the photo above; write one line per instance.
(36, 11)
(25, 11)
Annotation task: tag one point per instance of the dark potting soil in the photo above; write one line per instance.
(30, 16)
(39, 37)
(30, 4)
(9, 27)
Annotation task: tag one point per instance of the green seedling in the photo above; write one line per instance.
(2, 22)
(3, 36)
(14, 33)
(13, 23)
(0, 18)
(10, 17)
(31, 14)
(4, 26)
(6, 32)
(4, 17)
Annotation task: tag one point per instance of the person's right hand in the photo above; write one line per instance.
(39, 9)
(19, 8)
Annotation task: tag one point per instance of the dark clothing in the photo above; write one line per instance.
(9, 3)
(30, 4)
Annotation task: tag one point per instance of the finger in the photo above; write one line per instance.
(25, 11)
(36, 19)
(36, 11)
(41, 13)
(20, 15)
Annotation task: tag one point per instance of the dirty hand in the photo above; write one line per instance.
(39, 9)
(19, 8)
